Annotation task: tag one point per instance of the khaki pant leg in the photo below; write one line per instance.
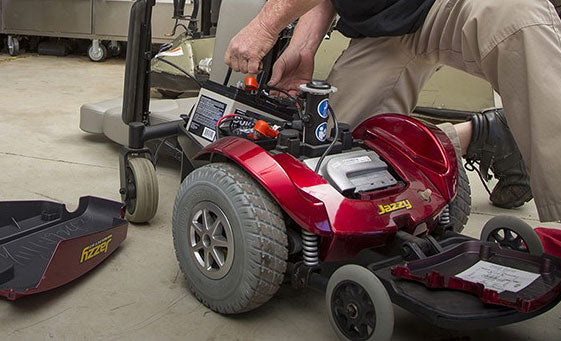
(377, 75)
(516, 46)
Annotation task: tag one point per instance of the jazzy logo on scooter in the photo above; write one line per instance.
(97, 248)
(394, 206)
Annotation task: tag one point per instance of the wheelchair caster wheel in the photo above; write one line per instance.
(141, 192)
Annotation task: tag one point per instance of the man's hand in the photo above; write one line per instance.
(252, 44)
(293, 68)
(249, 47)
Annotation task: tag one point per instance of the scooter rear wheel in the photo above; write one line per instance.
(460, 208)
(359, 305)
(230, 239)
(142, 190)
(512, 233)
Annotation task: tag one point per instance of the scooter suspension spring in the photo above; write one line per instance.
(310, 248)
(445, 217)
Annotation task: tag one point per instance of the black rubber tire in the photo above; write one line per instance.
(147, 192)
(115, 50)
(169, 94)
(383, 307)
(533, 244)
(460, 207)
(259, 236)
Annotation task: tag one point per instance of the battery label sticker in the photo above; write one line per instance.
(206, 115)
(176, 52)
(497, 277)
(209, 134)
(323, 108)
(321, 132)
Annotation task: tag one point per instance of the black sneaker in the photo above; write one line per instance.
(493, 147)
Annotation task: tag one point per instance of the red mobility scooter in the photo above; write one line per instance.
(369, 216)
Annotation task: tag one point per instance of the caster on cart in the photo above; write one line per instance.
(140, 192)
(13, 46)
(114, 48)
(358, 304)
(512, 233)
(230, 239)
(97, 51)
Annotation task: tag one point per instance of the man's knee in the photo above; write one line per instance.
(494, 21)
(512, 13)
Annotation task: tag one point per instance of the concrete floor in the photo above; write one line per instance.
(139, 292)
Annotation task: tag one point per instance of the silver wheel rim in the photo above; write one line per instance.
(211, 241)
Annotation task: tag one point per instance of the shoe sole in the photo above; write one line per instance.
(520, 202)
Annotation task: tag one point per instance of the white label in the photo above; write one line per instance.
(176, 52)
(208, 133)
(497, 277)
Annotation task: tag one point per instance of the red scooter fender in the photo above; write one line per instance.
(427, 147)
(304, 209)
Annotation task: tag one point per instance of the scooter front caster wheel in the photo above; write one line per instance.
(512, 233)
(142, 192)
(359, 305)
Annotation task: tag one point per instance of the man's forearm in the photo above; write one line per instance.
(277, 14)
(313, 26)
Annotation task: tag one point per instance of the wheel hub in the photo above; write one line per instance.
(211, 241)
(207, 241)
(96, 53)
(508, 239)
(353, 311)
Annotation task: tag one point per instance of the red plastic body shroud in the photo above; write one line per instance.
(422, 157)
